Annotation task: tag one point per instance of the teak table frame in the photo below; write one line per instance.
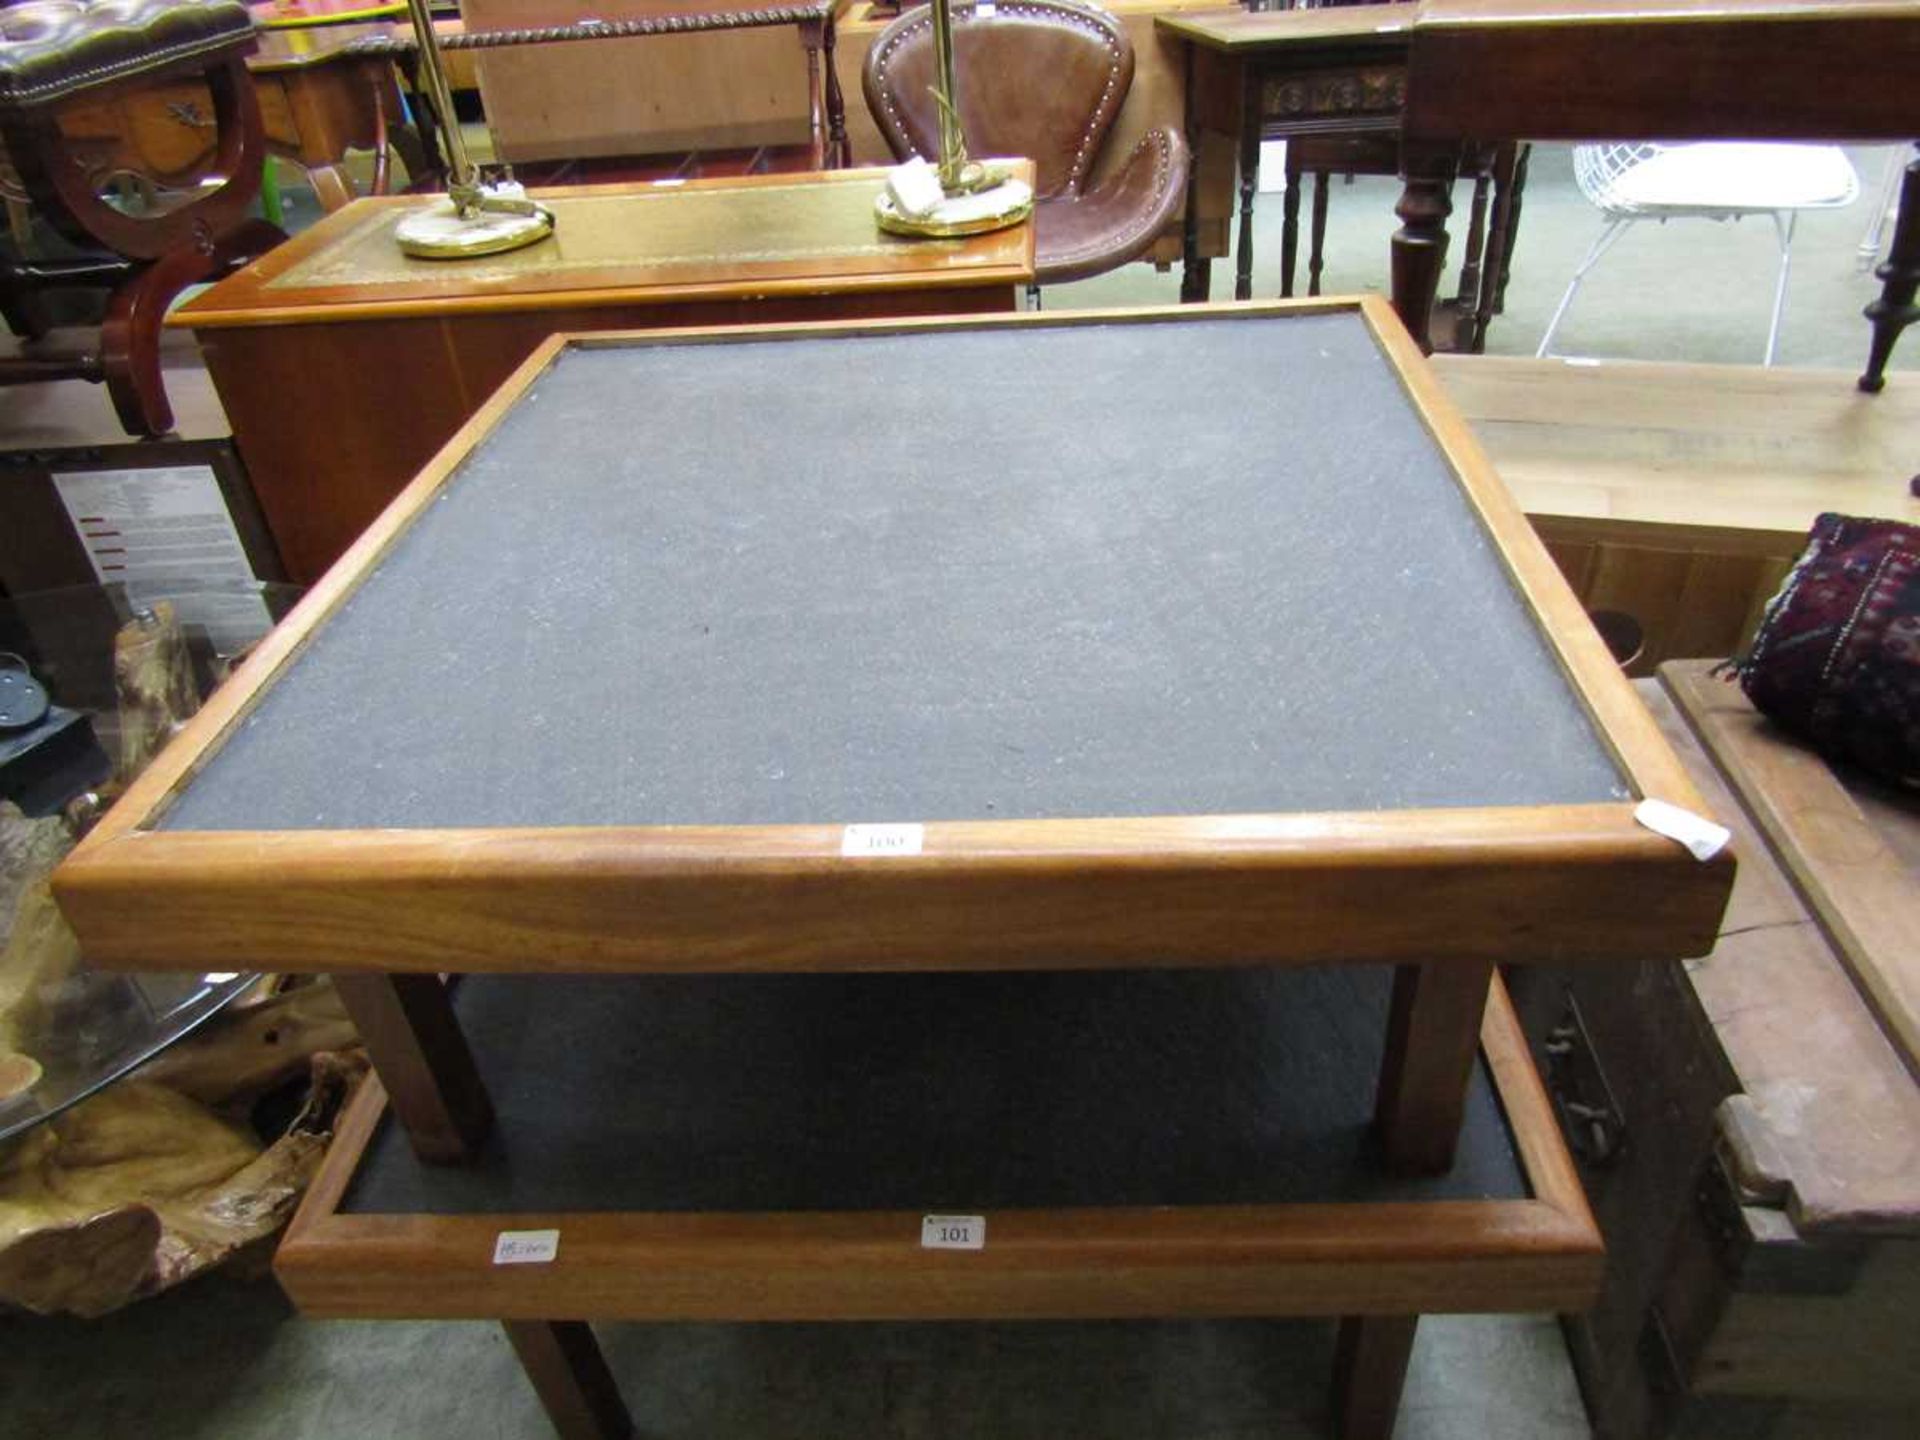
(387, 911)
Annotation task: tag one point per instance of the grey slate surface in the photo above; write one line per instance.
(943, 1093)
(1201, 567)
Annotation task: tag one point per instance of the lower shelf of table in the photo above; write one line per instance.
(764, 1148)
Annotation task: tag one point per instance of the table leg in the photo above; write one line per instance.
(816, 98)
(1420, 244)
(414, 1040)
(1895, 309)
(839, 148)
(1196, 274)
(1317, 237)
(1369, 1372)
(1433, 1034)
(1249, 186)
(1477, 306)
(1290, 222)
(570, 1375)
(1522, 157)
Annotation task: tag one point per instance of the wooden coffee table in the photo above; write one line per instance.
(344, 365)
(687, 658)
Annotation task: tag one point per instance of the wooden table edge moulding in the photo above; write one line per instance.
(1545, 883)
(1610, 70)
(1376, 1266)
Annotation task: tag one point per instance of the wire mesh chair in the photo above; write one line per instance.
(1716, 180)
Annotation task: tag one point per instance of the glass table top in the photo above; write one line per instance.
(67, 1029)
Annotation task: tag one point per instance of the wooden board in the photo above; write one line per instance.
(1680, 494)
(1854, 868)
(1470, 885)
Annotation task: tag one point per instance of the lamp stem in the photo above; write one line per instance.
(463, 184)
(953, 145)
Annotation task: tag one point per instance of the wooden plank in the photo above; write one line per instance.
(1363, 1259)
(1827, 1121)
(1680, 494)
(1863, 891)
(1732, 458)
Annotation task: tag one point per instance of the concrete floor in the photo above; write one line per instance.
(226, 1358)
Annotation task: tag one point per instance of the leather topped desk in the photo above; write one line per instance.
(344, 365)
(684, 657)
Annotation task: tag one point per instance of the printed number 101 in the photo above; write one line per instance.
(953, 1232)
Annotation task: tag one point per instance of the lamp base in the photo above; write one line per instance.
(439, 232)
(993, 208)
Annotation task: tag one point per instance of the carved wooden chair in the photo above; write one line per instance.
(61, 55)
(1042, 79)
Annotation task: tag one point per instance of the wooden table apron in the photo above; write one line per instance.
(338, 392)
(1442, 894)
(1655, 70)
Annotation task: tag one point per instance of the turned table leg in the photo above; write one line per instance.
(570, 1375)
(1420, 244)
(1196, 274)
(421, 1056)
(1369, 1372)
(1249, 187)
(1433, 1035)
(1895, 309)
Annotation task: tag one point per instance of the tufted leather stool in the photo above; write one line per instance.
(1044, 79)
(59, 54)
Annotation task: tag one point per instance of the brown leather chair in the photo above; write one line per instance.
(57, 56)
(1043, 79)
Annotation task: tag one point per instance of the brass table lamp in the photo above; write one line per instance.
(476, 217)
(960, 196)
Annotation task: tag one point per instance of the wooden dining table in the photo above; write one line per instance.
(1833, 70)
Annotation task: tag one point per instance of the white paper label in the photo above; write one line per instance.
(526, 1247)
(953, 1232)
(165, 534)
(882, 839)
(985, 10)
(1699, 834)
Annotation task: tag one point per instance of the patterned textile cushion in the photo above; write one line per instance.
(50, 49)
(1837, 657)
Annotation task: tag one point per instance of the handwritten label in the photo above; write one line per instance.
(882, 839)
(1699, 834)
(526, 1247)
(953, 1232)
